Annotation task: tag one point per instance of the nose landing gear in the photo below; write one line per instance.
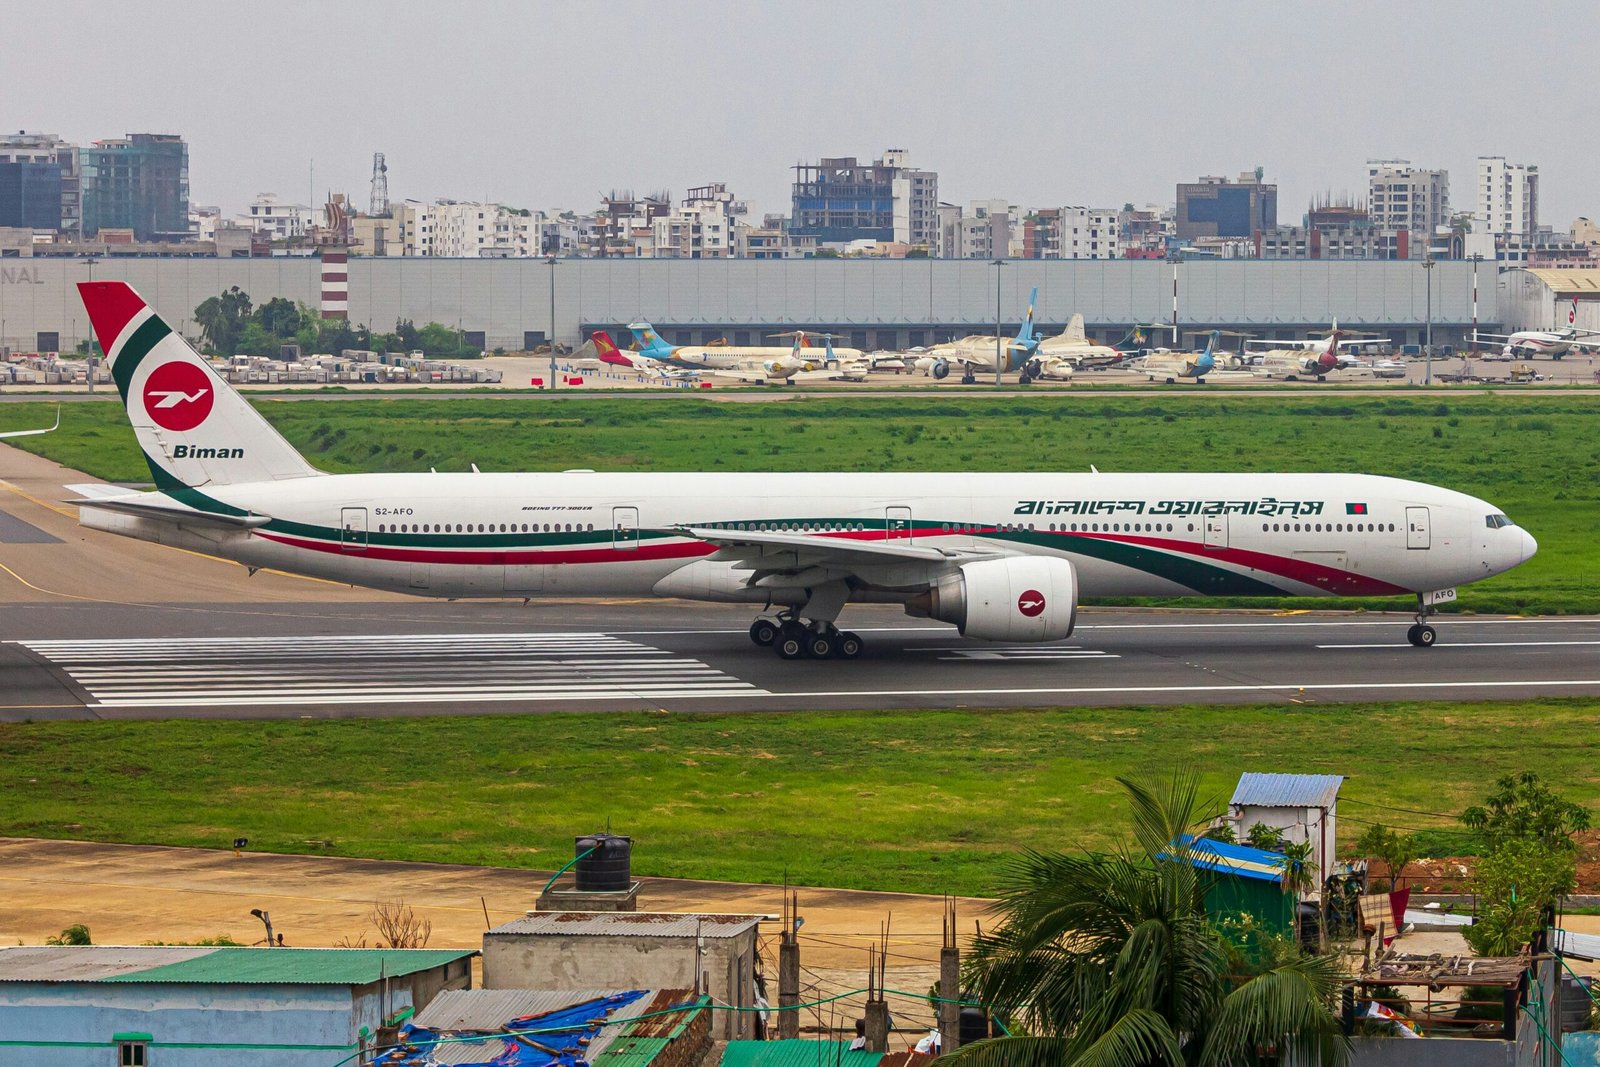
(1421, 634)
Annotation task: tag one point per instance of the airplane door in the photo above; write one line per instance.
(353, 529)
(1417, 534)
(1216, 531)
(625, 528)
(897, 524)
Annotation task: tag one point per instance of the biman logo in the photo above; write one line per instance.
(1031, 603)
(178, 396)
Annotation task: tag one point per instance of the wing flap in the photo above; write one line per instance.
(818, 550)
(145, 509)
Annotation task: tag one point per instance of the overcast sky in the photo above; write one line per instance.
(549, 105)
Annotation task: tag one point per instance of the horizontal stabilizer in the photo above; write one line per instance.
(139, 505)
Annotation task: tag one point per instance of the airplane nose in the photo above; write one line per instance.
(1529, 545)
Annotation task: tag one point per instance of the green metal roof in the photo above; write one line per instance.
(796, 1054)
(297, 966)
(631, 1051)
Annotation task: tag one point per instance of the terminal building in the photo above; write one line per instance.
(516, 304)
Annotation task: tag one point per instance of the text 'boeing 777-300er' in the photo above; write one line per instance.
(1003, 557)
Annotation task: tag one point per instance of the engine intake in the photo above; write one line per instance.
(1019, 598)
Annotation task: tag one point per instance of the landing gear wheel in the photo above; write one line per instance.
(848, 646)
(1422, 635)
(820, 646)
(790, 643)
(969, 379)
(1024, 379)
(763, 632)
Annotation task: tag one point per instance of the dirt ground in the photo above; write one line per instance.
(131, 894)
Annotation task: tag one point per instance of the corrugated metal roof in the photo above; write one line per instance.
(1287, 790)
(629, 1051)
(1240, 860)
(490, 1009)
(629, 924)
(252, 967)
(1568, 280)
(85, 963)
(796, 1054)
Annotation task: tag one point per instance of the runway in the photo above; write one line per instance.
(345, 660)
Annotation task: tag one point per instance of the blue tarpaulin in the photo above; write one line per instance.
(554, 1039)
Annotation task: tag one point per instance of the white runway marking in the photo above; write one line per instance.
(1479, 644)
(380, 669)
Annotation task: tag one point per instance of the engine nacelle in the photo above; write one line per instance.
(940, 369)
(1019, 598)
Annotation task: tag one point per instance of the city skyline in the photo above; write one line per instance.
(647, 105)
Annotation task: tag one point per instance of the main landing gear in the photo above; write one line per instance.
(1421, 634)
(791, 638)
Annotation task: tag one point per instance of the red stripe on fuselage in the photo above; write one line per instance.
(498, 556)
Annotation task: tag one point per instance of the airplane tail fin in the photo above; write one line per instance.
(1208, 358)
(650, 342)
(195, 430)
(1074, 330)
(1025, 333)
(605, 349)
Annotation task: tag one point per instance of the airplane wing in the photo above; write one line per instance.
(142, 505)
(35, 433)
(769, 552)
(1363, 341)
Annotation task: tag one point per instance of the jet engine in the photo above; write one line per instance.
(940, 368)
(1018, 598)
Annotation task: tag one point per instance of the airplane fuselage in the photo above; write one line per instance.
(588, 534)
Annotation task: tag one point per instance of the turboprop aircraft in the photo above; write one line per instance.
(1001, 556)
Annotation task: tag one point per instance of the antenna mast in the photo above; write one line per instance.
(378, 205)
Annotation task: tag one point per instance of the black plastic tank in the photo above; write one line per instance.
(975, 1026)
(607, 869)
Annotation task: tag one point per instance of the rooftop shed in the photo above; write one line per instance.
(1305, 807)
(715, 953)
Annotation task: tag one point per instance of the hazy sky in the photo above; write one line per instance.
(552, 104)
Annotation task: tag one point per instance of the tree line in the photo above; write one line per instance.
(231, 325)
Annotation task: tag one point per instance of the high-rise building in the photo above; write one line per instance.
(1216, 207)
(840, 200)
(1507, 198)
(40, 184)
(1403, 197)
(1071, 233)
(139, 182)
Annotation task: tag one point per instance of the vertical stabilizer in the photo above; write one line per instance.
(195, 430)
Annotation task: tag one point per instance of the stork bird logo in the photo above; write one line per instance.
(1031, 603)
(178, 396)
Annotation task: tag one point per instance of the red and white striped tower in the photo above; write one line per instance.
(335, 283)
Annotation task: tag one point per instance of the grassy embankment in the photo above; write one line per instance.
(1535, 455)
(919, 801)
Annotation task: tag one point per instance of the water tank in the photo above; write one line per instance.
(607, 869)
(975, 1026)
(1576, 1006)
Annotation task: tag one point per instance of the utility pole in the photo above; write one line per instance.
(998, 340)
(789, 970)
(1473, 348)
(90, 261)
(1427, 340)
(1174, 260)
(551, 263)
(949, 1007)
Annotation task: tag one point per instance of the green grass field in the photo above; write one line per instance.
(1535, 455)
(919, 801)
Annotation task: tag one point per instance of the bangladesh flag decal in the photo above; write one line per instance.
(1355, 509)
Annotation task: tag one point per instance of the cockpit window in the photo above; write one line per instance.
(1496, 521)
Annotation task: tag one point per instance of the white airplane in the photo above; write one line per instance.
(1073, 347)
(1315, 357)
(1168, 366)
(1553, 343)
(606, 351)
(745, 362)
(1388, 368)
(977, 352)
(35, 433)
(1002, 556)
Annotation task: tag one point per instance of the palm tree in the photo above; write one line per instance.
(1299, 876)
(1109, 960)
